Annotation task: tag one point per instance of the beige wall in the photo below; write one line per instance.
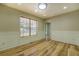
(9, 28)
(65, 28)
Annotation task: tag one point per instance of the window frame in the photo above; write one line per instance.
(29, 26)
(36, 27)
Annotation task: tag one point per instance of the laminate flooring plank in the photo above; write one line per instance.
(57, 49)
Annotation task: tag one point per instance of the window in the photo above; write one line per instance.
(33, 27)
(27, 27)
(24, 26)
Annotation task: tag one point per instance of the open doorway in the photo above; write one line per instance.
(47, 31)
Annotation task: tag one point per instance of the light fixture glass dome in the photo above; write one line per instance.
(42, 5)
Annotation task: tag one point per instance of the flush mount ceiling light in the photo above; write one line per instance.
(65, 7)
(42, 6)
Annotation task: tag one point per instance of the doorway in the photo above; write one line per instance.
(47, 31)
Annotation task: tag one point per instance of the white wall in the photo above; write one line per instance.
(12, 39)
(71, 37)
(9, 28)
(65, 28)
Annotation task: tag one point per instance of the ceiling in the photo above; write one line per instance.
(53, 9)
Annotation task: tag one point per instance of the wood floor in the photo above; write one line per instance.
(44, 48)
